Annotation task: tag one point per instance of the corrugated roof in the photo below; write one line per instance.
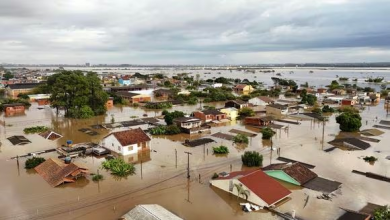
(265, 99)
(130, 137)
(296, 170)
(265, 187)
(150, 212)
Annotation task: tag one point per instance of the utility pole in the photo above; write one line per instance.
(141, 165)
(272, 146)
(188, 163)
(176, 157)
(323, 132)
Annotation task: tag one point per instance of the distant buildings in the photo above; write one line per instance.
(13, 90)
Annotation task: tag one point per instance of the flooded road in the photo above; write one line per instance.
(25, 195)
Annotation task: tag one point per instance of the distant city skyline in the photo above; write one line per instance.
(194, 32)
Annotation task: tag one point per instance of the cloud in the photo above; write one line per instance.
(191, 31)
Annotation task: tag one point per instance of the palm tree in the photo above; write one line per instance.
(242, 191)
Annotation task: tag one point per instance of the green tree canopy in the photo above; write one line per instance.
(349, 121)
(382, 213)
(170, 116)
(267, 133)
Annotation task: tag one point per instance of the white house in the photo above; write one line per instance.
(127, 142)
(261, 100)
(261, 189)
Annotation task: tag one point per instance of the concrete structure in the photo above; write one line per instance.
(231, 113)
(14, 108)
(243, 88)
(134, 97)
(261, 100)
(276, 109)
(13, 90)
(262, 189)
(238, 104)
(210, 115)
(127, 142)
(258, 121)
(191, 125)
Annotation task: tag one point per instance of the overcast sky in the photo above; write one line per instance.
(194, 31)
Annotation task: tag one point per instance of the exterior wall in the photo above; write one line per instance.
(13, 93)
(124, 82)
(14, 109)
(232, 114)
(280, 175)
(275, 111)
(138, 99)
(348, 102)
(111, 143)
(200, 115)
(225, 185)
(110, 103)
(189, 125)
(256, 121)
(43, 102)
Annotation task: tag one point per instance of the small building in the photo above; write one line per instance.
(50, 135)
(348, 102)
(210, 115)
(127, 142)
(217, 85)
(149, 212)
(134, 97)
(322, 90)
(18, 140)
(339, 92)
(35, 97)
(243, 88)
(276, 109)
(56, 172)
(191, 125)
(139, 87)
(261, 100)
(375, 98)
(238, 104)
(231, 113)
(124, 80)
(259, 121)
(163, 93)
(13, 90)
(14, 108)
(110, 102)
(262, 189)
(43, 101)
(294, 173)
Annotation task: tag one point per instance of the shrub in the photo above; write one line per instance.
(215, 176)
(241, 138)
(382, 213)
(119, 167)
(252, 159)
(158, 105)
(170, 116)
(327, 109)
(220, 150)
(316, 110)
(97, 177)
(167, 130)
(349, 122)
(370, 159)
(267, 133)
(246, 112)
(33, 162)
(36, 129)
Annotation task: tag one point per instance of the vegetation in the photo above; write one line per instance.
(158, 105)
(33, 162)
(170, 116)
(220, 150)
(241, 138)
(308, 98)
(349, 121)
(215, 176)
(317, 110)
(343, 78)
(165, 130)
(375, 80)
(23, 96)
(117, 99)
(252, 159)
(370, 158)
(327, 109)
(119, 167)
(36, 129)
(382, 213)
(242, 191)
(349, 109)
(267, 133)
(215, 94)
(97, 177)
(81, 96)
(246, 112)
(334, 85)
(12, 101)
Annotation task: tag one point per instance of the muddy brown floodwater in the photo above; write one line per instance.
(25, 195)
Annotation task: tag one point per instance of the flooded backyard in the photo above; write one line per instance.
(25, 195)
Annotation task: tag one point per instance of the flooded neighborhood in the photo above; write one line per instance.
(168, 126)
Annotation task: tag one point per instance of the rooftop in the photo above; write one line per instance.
(212, 112)
(278, 106)
(296, 170)
(130, 137)
(150, 212)
(186, 119)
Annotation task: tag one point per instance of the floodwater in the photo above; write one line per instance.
(25, 195)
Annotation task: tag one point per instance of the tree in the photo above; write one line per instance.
(308, 98)
(382, 213)
(241, 138)
(246, 112)
(33, 162)
(317, 110)
(119, 167)
(327, 109)
(170, 116)
(252, 159)
(267, 133)
(349, 121)
(220, 150)
(242, 191)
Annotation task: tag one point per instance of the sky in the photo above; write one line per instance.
(194, 31)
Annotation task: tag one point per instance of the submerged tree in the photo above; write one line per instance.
(349, 121)
(242, 191)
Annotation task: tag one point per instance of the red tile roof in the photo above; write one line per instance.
(297, 171)
(130, 137)
(265, 187)
(240, 86)
(235, 174)
(266, 99)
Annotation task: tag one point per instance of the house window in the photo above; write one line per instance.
(119, 148)
(112, 144)
(130, 148)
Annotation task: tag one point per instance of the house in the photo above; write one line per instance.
(353, 215)
(231, 113)
(339, 92)
(276, 109)
(13, 108)
(149, 212)
(134, 97)
(294, 173)
(375, 97)
(56, 172)
(352, 143)
(322, 90)
(243, 88)
(210, 115)
(217, 85)
(348, 102)
(238, 104)
(35, 97)
(261, 100)
(50, 135)
(139, 87)
(263, 190)
(127, 142)
(110, 102)
(124, 80)
(163, 93)
(43, 101)
(18, 140)
(259, 121)
(13, 90)
(191, 125)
